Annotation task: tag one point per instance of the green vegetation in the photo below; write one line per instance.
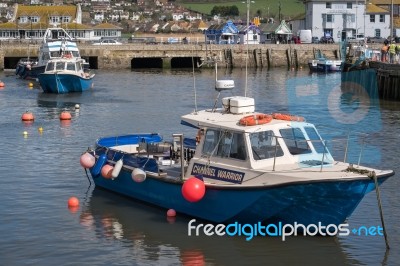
(225, 10)
(261, 8)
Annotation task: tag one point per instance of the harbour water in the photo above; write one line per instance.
(40, 170)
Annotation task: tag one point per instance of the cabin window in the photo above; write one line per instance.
(71, 66)
(264, 145)
(295, 141)
(55, 54)
(224, 144)
(50, 66)
(75, 54)
(316, 140)
(60, 66)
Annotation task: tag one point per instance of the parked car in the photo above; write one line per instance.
(375, 39)
(326, 40)
(315, 40)
(107, 42)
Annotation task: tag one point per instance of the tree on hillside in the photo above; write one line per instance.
(225, 11)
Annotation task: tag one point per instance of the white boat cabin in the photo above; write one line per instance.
(65, 65)
(224, 140)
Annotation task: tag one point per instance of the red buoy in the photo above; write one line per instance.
(193, 189)
(65, 116)
(27, 116)
(73, 202)
(1, 84)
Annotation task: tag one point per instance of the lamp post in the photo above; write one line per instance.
(391, 20)
(30, 39)
(30, 33)
(356, 18)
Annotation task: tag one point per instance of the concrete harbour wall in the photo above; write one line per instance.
(121, 56)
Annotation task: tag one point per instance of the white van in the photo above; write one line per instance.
(305, 36)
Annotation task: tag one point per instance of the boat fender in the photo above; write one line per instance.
(21, 71)
(17, 69)
(95, 171)
(117, 168)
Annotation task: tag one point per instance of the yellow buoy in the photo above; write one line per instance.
(40, 130)
(30, 84)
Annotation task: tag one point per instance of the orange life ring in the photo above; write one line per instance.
(252, 120)
(287, 117)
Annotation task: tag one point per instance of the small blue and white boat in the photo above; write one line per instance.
(55, 41)
(324, 65)
(66, 74)
(242, 166)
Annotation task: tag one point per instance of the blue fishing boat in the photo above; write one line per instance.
(241, 166)
(66, 74)
(55, 41)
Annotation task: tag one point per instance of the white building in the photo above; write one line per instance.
(343, 19)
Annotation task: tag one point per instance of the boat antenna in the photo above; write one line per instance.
(194, 83)
(247, 43)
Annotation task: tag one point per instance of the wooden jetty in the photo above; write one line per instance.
(388, 79)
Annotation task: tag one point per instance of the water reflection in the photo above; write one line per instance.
(152, 238)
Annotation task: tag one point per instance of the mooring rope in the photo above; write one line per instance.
(378, 196)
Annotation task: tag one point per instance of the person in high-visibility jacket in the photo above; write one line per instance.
(392, 52)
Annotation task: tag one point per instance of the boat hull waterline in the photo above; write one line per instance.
(64, 83)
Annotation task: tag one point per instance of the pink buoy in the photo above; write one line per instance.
(171, 213)
(106, 171)
(193, 189)
(87, 160)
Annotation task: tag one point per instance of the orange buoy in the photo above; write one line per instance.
(1, 84)
(252, 120)
(106, 171)
(27, 116)
(73, 202)
(287, 117)
(65, 116)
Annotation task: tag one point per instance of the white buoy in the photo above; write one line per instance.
(77, 106)
(138, 175)
(117, 168)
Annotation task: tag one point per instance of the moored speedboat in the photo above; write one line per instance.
(66, 74)
(324, 65)
(242, 166)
